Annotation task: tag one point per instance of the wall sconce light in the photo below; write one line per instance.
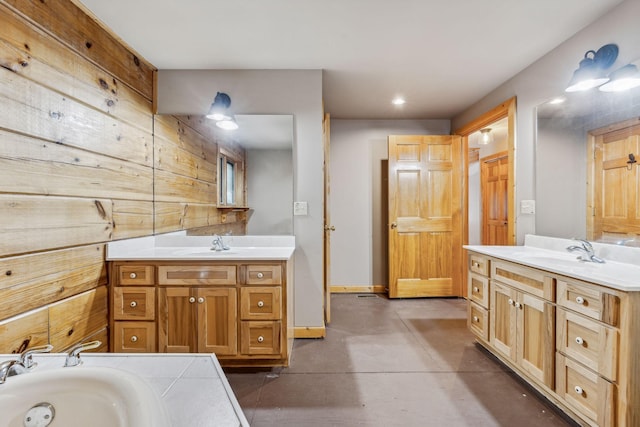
(219, 111)
(623, 78)
(486, 137)
(591, 71)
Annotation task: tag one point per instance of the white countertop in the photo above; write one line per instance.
(621, 269)
(193, 387)
(178, 246)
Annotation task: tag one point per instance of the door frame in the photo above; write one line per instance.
(507, 110)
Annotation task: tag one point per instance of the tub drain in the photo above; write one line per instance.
(39, 415)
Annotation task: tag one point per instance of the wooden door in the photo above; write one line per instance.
(616, 198)
(177, 319)
(217, 320)
(494, 178)
(535, 336)
(425, 221)
(328, 227)
(502, 321)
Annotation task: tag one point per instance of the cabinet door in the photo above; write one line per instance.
(536, 337)
(503, 320)
(177, 320)
(217, 321)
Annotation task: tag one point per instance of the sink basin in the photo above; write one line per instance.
(81, 396)
(561, 262)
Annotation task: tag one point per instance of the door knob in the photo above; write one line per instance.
(330, 228)
(394, 225)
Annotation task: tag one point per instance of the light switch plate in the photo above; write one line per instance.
(528, 206)
(300, 208)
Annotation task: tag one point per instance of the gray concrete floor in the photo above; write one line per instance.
(391, 363)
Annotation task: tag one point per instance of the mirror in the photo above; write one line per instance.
(561, 155)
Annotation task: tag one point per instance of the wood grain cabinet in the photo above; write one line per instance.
(237, 310)
(576, 342)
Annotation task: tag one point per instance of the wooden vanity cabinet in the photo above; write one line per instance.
(237, 310)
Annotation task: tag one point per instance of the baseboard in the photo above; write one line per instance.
(309, 332)
(373, 289)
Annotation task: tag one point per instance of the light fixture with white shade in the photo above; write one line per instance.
(486, 137)
(228, 123)
(623, 78)
(591, 71)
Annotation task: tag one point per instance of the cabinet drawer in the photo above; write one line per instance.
(134, 303)
(197, 275)
(585, 391)
(479, 289)
(260, 338)
(478, 320)
(589, 342)
(134, 275)
(479, 264)
(264, 275)
(526, 279)
(593, 301)
(134, 337)
(261, 303)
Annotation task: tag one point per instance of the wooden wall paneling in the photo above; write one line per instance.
(176, 130)
(53, 169)
(170, 157)
(74, 319)
(168, 217)
(37, 111)
(76, 27)
(170, 187)
(29, 330)
(34, 223)
(28, 51)
(196, 215)
(132, 218)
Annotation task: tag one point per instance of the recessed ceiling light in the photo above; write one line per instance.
(398, 101)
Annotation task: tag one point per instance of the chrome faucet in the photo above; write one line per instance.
(73, 358)
(586, 248)
(22, 365)
(218, 244)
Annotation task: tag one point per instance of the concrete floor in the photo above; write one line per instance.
(391, 363)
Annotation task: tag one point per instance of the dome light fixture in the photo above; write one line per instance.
(486, 137)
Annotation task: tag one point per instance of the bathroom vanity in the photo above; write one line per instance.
(175, 294)
(567, 327)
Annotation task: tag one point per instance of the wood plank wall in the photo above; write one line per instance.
(80, 156)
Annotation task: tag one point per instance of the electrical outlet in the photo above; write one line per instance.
(527, 206)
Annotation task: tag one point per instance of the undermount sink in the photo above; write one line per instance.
(561, 261)
(80, 396)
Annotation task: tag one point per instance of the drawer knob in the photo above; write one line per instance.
(260, 275)
(476, 319)
(476, 289)
(578, 390)
(134, 338)
(133, 304)
(260, 338)
(260, 304)
(518, 305)
(579, 340)
(475, 264)
(510, 301)
(132, 275)
(580, 300)
(200, 300)
(192, 300)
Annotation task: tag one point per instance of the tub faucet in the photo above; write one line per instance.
(218, 244)
(73, 358)
(587, 249)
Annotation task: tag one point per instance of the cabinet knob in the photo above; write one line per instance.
(192, 300)
(518, 305)
(200, 300)
(510, 301)
(132, 275)
(476, 319)
(476, 289)
(134, 338)
(578, 390)
(260, 304)
(260, 275)
(133, 304)
(580, 300)
(579, 340)
(260, 338)
(475, 264)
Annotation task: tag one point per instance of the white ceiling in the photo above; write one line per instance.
(441, 55)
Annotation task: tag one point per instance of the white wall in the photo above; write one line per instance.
(297, 92)
(270, 192)
(474, 205)
(358, 195)
(547, 78)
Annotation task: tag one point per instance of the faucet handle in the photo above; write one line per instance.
(73, 358)
(26, 357)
